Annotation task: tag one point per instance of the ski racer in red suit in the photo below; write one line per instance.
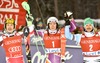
(89, 41)
(54, 41)
(12, 42)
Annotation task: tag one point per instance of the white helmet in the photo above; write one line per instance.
(67, 13)
(52, 19)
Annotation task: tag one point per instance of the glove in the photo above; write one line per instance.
(67, 16)
(67, 22)
(29, 19)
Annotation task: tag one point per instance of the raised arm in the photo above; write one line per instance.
(68, 34)
(29, 17)
(70, 26)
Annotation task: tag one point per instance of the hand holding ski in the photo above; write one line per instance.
(28, 29)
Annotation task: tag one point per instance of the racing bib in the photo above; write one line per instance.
(13, 46)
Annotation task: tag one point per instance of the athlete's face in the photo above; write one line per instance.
(10, 28)
(52, 25)
(88, 27)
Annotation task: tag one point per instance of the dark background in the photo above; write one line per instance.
(80, 8)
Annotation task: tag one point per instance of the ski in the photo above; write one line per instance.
(26, 31)
(27, 44)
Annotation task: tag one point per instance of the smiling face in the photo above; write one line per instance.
(10, 28)
(52, 25)
(9, 25)
(88, 27)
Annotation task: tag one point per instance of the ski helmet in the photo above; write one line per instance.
(88, 21)
(52, 19)
(68, 14)
(9, 21)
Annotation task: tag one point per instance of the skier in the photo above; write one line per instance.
(52, 41)
(12, 42)
(89, 41)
